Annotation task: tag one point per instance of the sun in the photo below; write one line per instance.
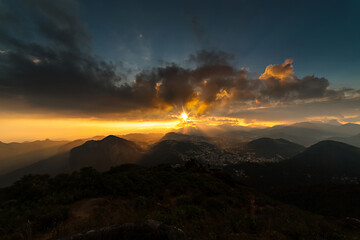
(184, 116)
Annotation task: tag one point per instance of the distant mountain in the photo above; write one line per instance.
(349, 128)
(334, 122)
(308, 133)
(144, 140)
(353, 140)
(269, 148)
(51, 166)
(223, 141)
(184, 137)
(177, 152)
(17, 155)
(58, 163)
(105, 153)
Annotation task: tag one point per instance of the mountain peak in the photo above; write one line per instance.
(111, 138)
(330, 145)
(105, 153)
(334, 122)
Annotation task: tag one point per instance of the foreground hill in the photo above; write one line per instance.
(204, 205)
(105, 153)
(269, 148)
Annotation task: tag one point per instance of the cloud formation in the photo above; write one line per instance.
(55, 71)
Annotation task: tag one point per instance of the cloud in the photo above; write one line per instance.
(346, 110)
(55, 71)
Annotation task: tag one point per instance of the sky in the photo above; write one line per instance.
(72, 69)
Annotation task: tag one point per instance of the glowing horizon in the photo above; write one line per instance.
(31, 129)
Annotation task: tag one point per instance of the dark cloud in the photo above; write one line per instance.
(211, 58)
(55, 71)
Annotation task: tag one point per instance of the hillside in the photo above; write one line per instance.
(328, 161)
(204, 205)
(105, 153)
(177, 152)
(322, 163)
(269, 148)
(55, 164)
(51, 166)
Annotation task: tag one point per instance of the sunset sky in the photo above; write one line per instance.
(71, 69)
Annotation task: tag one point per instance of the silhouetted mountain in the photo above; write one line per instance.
(105, 153)
(269, 148)
(328, 161)
(52, 166)
(58, 163)
(353, 140)
(324, 162)
(67, 147)
(177, 152)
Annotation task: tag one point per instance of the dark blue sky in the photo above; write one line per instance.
(323, 37)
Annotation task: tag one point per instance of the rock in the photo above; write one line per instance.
(353, 222)
(148, 230)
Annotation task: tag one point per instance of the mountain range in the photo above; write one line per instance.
(53, 157)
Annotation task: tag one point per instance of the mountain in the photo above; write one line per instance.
(322, 163)
(58, 163)
(353, 140)
(328, 160)
(185, 137)
(306, 133)
(334, 122)
(270, 148)
(105, 153)
(17, 155)
(51, 166)
(177, 152)
(349, 128)
(222, 141)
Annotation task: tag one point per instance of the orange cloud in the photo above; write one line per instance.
(284, 72)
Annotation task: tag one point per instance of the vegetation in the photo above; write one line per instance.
(205, 205)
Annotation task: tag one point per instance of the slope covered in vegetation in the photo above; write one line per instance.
(205, 205)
